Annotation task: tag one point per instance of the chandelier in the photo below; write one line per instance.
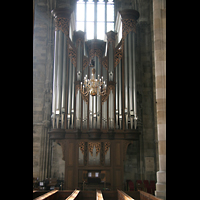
(93, 86)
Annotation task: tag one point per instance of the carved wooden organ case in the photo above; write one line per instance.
(94, 131)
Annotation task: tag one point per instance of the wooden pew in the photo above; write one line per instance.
(99, 195)
(47, 195)
(147, 196)
(37, 193)
(123, 196)
(73, 195)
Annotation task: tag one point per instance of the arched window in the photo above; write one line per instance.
(95, 17)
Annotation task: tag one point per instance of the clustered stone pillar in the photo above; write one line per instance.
(129, 18)
(159, 26)
(62, 19)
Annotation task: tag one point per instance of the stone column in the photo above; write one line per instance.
(61, 19)
(159, 28)
(129, 18)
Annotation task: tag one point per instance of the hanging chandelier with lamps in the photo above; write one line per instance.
(93, 86)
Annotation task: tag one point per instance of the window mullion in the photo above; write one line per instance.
(85, 18)
(95, 19)
(105, 16)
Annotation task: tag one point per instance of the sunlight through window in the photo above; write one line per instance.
(95, 17)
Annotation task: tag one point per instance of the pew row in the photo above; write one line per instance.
(37, 193)
(123, 196)
(56, 194)
(47, 195)
(99, 195)
(147, 196)
(73, 195)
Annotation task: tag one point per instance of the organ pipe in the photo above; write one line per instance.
(126, 82)
(69, 94)
(54, 79)
(134, 83)
(63, 82)
(61, 19)
(120, 96)
(98, 98)
(72, 108)
(59, 79)
(95, 114)
(116, 95)
(130, 78)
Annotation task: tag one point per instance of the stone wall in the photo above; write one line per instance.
(47, 155)
(39, 65)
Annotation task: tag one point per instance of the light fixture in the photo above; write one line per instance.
(93, 86)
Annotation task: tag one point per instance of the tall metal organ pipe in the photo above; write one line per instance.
(117, 95)
(69, 94)
(59, 78)
(120, 95)
(79, 77)
(73, 91)
(53, 116)
(126, 81)
(130, 72)
(64, 81)
(98, 97)
(134, 82)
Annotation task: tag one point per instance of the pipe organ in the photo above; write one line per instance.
(109, 119)
(117, 110)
